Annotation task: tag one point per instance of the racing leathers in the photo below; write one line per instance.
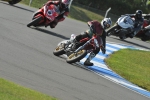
(138, 22)
(64, 11)
(95, 29)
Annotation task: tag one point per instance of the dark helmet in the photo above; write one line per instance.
(65, 2)
(138, 14)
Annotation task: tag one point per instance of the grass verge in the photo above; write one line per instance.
(11, 91)
(133, 65)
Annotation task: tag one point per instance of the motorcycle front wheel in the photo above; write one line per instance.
(74, 57)
(59, 50)
(35, 21)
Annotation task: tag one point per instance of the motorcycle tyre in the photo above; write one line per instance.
(145, 38)
(58, 52)
(76, 59)
(13, 2)
(122, 38)
(34, 21)
(108, 32)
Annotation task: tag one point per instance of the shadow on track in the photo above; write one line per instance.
(132, 43)
(79, 65)
(17, 7)
(51, 33)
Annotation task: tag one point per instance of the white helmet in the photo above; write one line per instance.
(106, 23)
(65, 2)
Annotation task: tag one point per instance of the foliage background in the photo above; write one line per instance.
(119, 7)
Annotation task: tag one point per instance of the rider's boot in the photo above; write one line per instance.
(103, 49)
(87, 62)
(132, 34)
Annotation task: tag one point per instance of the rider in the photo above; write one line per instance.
(64, 10)
(98, 29)
(138, 22)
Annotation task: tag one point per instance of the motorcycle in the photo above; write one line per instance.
(144, 34)
(11, 2)
(76, 51)
(44, 16)
(122, 29)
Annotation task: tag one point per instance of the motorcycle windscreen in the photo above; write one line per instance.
(125, 22)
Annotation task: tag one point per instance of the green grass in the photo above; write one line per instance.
(84, 13)
(133, 65)
(11, 91)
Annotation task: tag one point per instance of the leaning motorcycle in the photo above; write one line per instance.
(122, 29)
(144, 34)
(44, 16)
(74, 51)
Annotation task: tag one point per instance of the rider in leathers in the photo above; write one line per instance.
(138, 22)
(64, 10)
(98, 29)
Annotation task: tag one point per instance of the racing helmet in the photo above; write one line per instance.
(65, 2)
(106, 23)
(138, 14)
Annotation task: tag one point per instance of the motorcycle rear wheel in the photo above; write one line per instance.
(74, 57)
(35, 21)
(13, 2)
(145, 38)
(59, 50)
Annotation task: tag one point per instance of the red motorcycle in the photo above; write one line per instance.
(44, 16)
(144, 34)
(76, 51)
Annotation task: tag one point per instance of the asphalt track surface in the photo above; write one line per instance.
(26, 58)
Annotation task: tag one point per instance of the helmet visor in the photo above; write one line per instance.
(107, 25)
(139, 15)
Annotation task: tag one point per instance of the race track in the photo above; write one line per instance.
(26, 58)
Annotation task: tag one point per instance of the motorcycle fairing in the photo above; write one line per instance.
(47, 12)
(51, 12)
(125, 22)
